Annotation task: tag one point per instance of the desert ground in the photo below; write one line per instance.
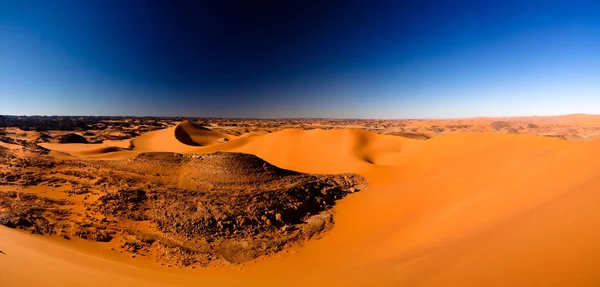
(116, 201)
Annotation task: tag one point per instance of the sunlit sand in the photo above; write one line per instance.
(460, 209)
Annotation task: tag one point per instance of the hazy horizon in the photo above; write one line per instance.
(377, 60)
(291, 118)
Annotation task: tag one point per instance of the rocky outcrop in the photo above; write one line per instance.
(72, 138)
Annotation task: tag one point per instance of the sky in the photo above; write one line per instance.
(275, 59)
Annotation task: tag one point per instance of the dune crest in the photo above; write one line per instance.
(323, 151)
(196, 135)
(314, 151)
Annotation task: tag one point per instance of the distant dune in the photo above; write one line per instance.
(196, 135)
(460, 209)
(322, 151)
(328, 149)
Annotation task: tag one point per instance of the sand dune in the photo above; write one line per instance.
(463, 209)
(182, 138)
(315, 151)
(107, 150)
(161, 140)
(196, 135)
(323, 151)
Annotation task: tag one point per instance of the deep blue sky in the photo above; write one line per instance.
(352, 59)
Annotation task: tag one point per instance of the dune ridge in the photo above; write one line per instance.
(195, 135)
(352, 148)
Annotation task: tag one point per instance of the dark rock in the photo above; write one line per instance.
(437, 129)
(101, 236)
(72, 138)
(81, 233)
(498, 125)
(12, 220)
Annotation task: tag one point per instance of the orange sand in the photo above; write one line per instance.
(460, 209)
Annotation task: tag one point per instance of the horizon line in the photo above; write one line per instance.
(310, 118)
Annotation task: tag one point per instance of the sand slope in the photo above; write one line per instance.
(192, 134)
(457, 210)
(323, 151)
(316, 151)
(183, 138)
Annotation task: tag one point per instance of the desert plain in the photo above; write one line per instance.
(116, 201)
